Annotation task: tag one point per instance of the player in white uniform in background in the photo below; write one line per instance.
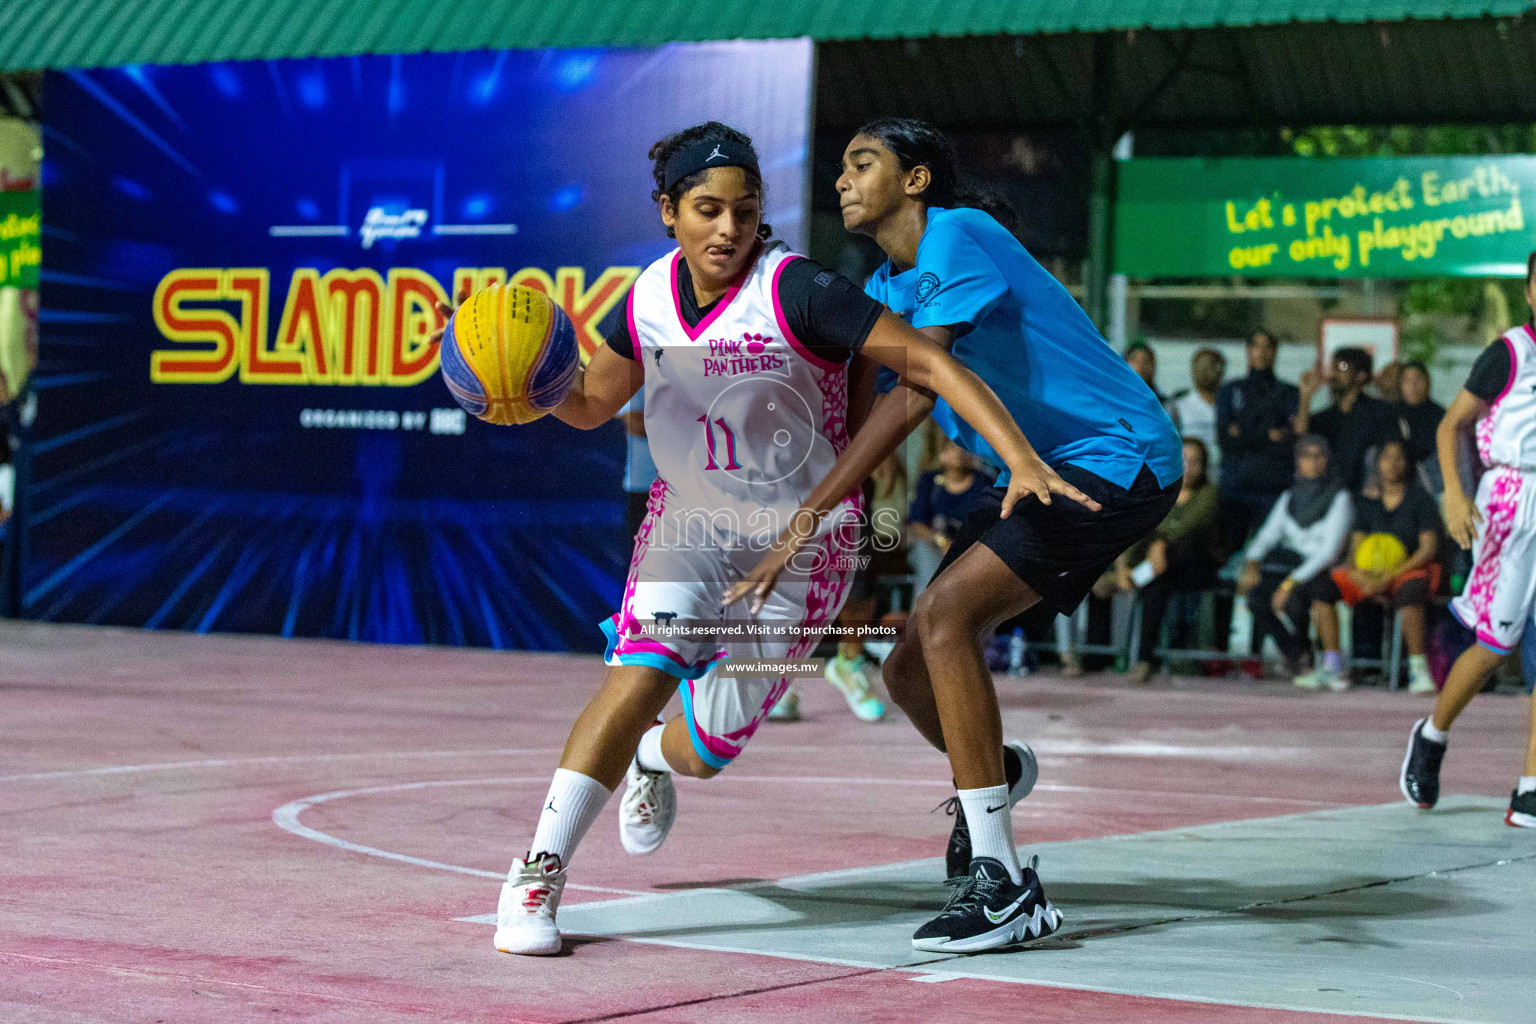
(1500, 528)
(744, 352)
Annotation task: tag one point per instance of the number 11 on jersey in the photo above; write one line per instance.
(730, 444)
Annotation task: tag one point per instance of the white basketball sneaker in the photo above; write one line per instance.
(647, 809)
(525, 915)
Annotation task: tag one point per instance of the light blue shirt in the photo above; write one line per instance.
(1019, 330)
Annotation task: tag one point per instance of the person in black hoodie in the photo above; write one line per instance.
(1418, 417)
(1254, 428)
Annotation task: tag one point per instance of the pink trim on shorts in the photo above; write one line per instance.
(720, 305)
(1487, 640)
(789, 335)
(1503, 502)
(624, 621)
(828, 586)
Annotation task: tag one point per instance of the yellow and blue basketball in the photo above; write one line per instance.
(1380, 552)
(509, 354)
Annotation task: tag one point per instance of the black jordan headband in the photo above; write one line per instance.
(704, 154)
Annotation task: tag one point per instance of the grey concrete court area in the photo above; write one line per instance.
(1383, 911)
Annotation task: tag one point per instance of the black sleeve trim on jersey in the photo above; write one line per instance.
(824, 308)
(617, 336)
(1492, 372)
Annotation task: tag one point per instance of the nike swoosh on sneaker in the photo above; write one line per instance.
(999, 917)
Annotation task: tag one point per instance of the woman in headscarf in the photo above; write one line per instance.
(1289, 557)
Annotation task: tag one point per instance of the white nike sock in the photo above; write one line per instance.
(649, 755)
(1526, 784)
(572, 805)
(987, 816)
(1432, 734)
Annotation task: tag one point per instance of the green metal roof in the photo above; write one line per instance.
(104, 33)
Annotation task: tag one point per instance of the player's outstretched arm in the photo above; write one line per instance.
(924, 364)
(893, 417)
(601, 389)
(1461, 515)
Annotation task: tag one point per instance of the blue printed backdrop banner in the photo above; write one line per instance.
(240, 422)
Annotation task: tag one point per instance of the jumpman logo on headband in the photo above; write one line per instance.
(716, 155)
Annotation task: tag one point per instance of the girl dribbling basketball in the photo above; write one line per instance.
(744, 351)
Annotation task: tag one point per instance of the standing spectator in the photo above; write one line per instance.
(1297, 544)
(1355, 422)
(943, 501)
(1418, 417)
(1184, 553)
(1404, 511)
(1194, 411)
(1389, 383)
(639, 469)
(1253, 424)
(1144, 361)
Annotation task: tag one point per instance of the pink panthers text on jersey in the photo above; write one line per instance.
(1507, 435)
(742, 418)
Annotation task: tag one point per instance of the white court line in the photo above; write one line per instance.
(286, 817)
(1043, 787)
(1046, 748)
(236, 762)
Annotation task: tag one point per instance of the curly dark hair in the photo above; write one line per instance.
(709, 131)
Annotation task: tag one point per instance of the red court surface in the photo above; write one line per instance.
(168, 856)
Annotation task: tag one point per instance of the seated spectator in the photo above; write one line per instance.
(1406, 512)
(1354, 423)
(1418, 417)
(1183, 553)
(1144, 361)
(1194, 411)
(1298, 543)
(944, 499)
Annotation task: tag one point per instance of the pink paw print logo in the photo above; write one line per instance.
(756, 343)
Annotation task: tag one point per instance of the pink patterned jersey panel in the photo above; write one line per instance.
(834, 407)
(1484, 434)
(655, 505)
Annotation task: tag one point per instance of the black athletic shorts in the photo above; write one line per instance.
(1062, 548)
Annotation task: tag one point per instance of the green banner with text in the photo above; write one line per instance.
(1453, 216)
(20, 239)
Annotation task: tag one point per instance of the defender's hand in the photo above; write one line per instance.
(447, 312)
(1033, 476)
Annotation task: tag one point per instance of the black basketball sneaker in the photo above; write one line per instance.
(1522, 809)
(988, 910)
(1021, 770)
(1420, 777)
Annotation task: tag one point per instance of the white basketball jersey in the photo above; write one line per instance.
(743, 420)
(1507, 435)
